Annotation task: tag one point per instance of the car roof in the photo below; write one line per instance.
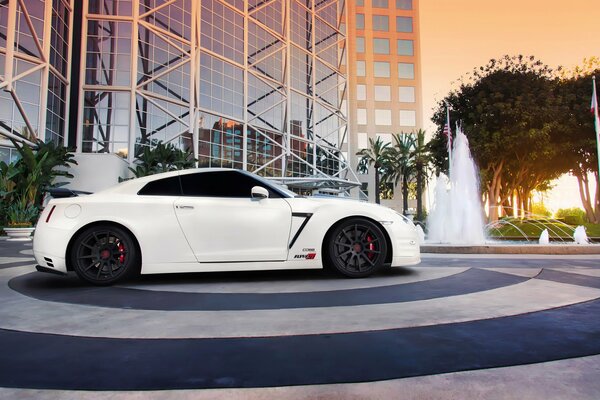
(132, 186)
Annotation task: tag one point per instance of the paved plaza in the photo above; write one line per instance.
(455, 326)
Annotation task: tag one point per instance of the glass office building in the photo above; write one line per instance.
(249, 84)
(35, 44)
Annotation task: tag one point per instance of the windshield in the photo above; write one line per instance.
(275, 185)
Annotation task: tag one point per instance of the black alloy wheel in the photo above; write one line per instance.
(357, 248)
(104, 254)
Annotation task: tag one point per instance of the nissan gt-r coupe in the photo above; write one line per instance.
(216, 220)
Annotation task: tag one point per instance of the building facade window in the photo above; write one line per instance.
(363, 140)
(405, 47)
(361, 68)
(385, 137)
(404, 24)
(406, 71)
(381, 46)
(361, 116)
(364, 187)
(403, 4)
(381, 23)
(383, 117)
(381, 69)
(360, 21)
(408, 118)
(361, 92)
(406, 94)
(380, 4)
(8, 155)
(360, 44)
(383, 93)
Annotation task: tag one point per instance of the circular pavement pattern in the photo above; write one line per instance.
(283, 328)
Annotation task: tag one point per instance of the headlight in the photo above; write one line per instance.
(404, 218)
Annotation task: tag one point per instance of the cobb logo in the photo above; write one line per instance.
(309, 256)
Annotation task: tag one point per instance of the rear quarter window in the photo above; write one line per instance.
(162, 187)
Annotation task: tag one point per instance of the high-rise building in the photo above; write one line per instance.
(249, 84)
(384, 75)
(35, 70)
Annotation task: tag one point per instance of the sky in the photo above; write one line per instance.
(459, 35)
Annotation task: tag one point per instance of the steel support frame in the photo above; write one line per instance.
(41, 65)
(191, 51)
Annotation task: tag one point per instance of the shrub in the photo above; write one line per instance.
(163, 157)
(571, 216)
(540, 210)
(22, 183)
(573, 220)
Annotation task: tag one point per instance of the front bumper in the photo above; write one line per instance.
(49, 270)
(405, 244)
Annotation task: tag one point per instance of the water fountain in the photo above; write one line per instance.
(544, 237)
(457, 217)
(456, 221)
(580, 236)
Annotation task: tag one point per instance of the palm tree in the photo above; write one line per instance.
(376, 155)
(422, 158)
(399, 164)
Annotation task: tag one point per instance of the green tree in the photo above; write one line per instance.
(161, 158)
(577, 138)
(375, 155)
(399, 164)
(508, 111)
(421, 159)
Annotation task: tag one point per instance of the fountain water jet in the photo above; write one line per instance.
(457, 214)
(544, 237)
(580, 236)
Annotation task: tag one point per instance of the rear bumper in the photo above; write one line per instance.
(50, 247)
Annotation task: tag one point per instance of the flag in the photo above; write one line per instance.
(448, 132)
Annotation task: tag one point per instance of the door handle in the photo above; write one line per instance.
(185, 207)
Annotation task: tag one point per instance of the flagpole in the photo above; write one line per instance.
(596, 126)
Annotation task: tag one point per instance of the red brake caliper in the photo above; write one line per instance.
(121, 250)
(371, 246)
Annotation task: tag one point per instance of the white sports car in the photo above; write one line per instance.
(216, 220)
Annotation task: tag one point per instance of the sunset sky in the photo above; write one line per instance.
(458, 35)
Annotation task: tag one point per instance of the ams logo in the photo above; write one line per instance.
(309, 256)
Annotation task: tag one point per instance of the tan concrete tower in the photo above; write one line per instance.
(384, 75)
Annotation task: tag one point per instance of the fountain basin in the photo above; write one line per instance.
(512, 248)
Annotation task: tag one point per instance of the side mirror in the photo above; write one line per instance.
(259, 192)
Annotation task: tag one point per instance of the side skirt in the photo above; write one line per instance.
(165, 268)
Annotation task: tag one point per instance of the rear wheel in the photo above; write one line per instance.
(356, 248)
(104, 254)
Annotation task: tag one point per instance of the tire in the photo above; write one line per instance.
(356, 248)
(104, 254)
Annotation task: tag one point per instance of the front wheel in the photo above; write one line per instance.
(356, 248)
(104, 254)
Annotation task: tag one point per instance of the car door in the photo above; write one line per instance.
(223, 223)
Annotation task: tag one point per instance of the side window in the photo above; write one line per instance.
(221, 184)
(162, 187)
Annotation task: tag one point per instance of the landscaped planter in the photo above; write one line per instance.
(19, 233)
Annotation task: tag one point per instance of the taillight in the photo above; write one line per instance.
(50, 214)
